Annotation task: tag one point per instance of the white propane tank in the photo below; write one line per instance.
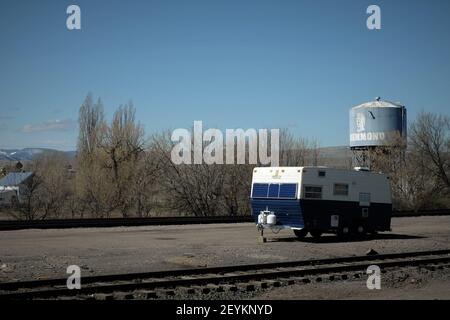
(271, 219)
(262, 218)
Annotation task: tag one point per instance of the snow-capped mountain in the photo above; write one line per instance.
(25, 154)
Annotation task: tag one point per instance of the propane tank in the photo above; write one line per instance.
(262, 218)
(271, 219)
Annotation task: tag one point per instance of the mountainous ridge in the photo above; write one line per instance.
(27, 154)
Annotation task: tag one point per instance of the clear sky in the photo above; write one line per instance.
(231, 64)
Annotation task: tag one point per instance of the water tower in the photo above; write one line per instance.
(375, 125)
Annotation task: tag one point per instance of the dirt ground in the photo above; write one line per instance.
(39, 254)
(395, 284)
(410, 283)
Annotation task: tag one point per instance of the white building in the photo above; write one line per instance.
(12, 186)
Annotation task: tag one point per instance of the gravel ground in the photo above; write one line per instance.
(39, 254)
(396, 284)
(410, 283)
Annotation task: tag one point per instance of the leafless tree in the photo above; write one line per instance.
(236, 188)
(296, 151)
(413, 187)
(146, 188)
(192, 189)
(123, 143)
(29, 206)
(44, 194)
(430, 136)
(91, 122)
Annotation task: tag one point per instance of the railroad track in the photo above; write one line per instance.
(152, 221)
(205, 280)
(118, 222)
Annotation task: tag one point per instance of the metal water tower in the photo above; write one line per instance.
(375, 124)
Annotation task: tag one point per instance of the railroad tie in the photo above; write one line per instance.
(214, 287)
(145, 294)
(273, 283)
(230, 287)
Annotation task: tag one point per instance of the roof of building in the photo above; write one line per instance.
(15, 178)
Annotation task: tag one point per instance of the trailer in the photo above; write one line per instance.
(321, 200)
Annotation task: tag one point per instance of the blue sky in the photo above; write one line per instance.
(231, 64)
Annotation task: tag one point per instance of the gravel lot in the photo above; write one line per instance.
(39, 254)
(406, 283)
(396, 284)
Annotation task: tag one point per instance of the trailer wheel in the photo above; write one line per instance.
(360, 230)
(372, 233)
(316, 234)
(300, 233)
(343, 232)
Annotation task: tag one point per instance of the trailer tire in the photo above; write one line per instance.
(360, 230)
(343, 233)
(301, 233)
(316, 234)
(372, 233)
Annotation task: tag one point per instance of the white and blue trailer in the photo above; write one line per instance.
(321, 200)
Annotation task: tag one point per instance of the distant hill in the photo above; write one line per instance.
(331, 153)
(27, 153)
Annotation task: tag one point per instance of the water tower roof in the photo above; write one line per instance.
(378, 103)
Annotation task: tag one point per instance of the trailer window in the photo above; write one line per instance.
(288, 190)
(313, 192)
(260, 190)
(274, 190)
(340, 189)
(364, 199)
(321, 173)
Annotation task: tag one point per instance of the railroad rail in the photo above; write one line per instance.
(128, 222)
(219, 278)
(118, 222)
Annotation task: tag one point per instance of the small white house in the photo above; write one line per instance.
(12, 186)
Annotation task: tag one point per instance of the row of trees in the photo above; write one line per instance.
(119, 171)
(419, 169)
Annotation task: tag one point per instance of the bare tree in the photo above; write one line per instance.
(236, 188)
(123, 143)
(191, 189)
(430, 135)
(51, 169)
(44, 194)
(29, 205)
(298, 151)
(93, 183)
(408, 169)
(146, 189)
(91, 122)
